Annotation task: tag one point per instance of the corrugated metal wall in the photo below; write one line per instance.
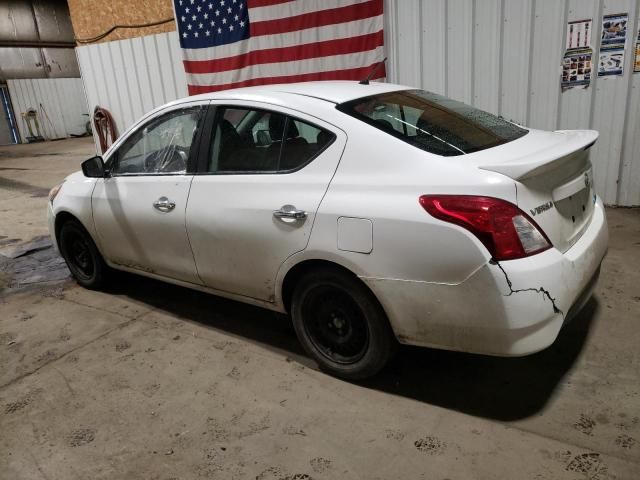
(503, 56)
(131, 77)
(60, 103)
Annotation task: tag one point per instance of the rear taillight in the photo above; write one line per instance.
(506, 231)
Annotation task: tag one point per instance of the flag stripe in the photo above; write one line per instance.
(317, 19)
(287, 54)
(265, 3)
(312, 65)
(328, 32)
(299, 7)
(347, 74)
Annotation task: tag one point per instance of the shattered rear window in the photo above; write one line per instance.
(432, 122)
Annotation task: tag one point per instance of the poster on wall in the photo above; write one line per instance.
(636, 61)
(576, 68)
(611, 62)
(579, 34)
(577, 62)
(614, 36)
(614, 29)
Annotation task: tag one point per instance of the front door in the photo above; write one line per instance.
(139, 211)
(254, 204)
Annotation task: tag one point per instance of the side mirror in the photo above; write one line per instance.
(93, 167)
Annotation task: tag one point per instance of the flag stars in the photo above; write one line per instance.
(202, 20)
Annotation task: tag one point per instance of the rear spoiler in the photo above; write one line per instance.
(530, 165)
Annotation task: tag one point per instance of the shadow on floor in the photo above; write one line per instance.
(490, 387)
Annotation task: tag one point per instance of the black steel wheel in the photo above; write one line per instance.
(341, 324)
(81, 255)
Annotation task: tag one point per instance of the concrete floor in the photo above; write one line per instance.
(153, 381)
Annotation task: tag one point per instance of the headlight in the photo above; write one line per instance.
(54, 192)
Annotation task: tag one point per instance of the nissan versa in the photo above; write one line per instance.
(372, 214)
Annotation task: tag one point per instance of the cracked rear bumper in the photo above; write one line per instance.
(512, 309)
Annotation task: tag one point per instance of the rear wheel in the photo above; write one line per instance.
(82, 256)
(341, 324)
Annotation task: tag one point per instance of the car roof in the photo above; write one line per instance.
(330, 91)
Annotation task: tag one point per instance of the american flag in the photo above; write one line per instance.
(239, 43)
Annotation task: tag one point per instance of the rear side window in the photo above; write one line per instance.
(432, 122)
(260, 141)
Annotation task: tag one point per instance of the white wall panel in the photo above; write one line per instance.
(432, 60)
(610, 103)
(630, 167)
(487, 45)
(60, 103)
(131, 77)
(544, 93)
(459, 52)
(504, 56)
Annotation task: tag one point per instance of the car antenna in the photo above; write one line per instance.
(372, 73)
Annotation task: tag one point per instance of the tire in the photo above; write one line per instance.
(341, 325)
(81, 255)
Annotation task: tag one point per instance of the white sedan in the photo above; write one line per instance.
(372, 214)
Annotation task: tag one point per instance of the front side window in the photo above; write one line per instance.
(160, 147)
(432, 122)
(249, 140)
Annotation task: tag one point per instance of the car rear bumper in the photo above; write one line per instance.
(510, 308)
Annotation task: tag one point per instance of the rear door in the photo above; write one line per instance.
(139, 210)
(263, 174)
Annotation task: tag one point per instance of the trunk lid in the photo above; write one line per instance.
(554, 180)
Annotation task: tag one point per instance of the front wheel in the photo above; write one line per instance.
(81, 255)
(341, 324)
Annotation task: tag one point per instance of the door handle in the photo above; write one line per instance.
(164, 204)
(289, 211)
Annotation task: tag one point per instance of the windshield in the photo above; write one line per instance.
(432, 122)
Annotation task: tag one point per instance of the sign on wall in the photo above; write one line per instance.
(614, 36)
(636, 62)
(577, 63)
